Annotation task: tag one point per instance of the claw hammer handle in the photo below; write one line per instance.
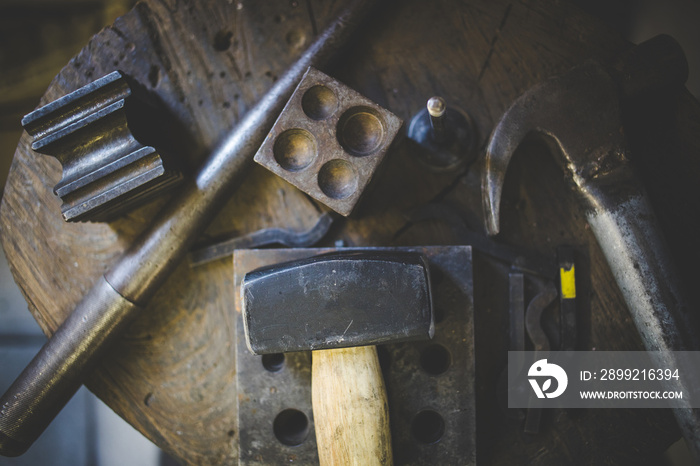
(60, 367)
(639, 259)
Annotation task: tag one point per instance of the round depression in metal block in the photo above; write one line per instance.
(428, 427)
(295, 149)
(361, 131)
(337, 179)
(291, 427)
(319, 102)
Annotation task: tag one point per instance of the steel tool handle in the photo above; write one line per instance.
(57, 371)
(351, 413)
(579, 115)
(638, 257)
(630, 239)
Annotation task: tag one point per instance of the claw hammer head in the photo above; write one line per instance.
(578, 113)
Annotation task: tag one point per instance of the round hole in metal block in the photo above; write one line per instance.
(435, 359)
(295, 149)
(319, 102)
(361, 131)
(428, 427)
(273, 362)
(291, 427)
(337, 179)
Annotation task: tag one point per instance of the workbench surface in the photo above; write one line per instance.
(172, 375)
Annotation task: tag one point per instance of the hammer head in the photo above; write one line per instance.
(578, 113)
(337, 300)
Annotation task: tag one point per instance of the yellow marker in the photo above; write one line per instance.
(568, 282)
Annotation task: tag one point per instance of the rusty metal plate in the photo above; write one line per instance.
(329, 141)
(430, 384)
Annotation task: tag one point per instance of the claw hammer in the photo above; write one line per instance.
(578, 115)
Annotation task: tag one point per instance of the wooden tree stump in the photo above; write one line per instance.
(172, 375)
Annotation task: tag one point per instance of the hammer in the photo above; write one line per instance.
(578, 114)
(334, 304)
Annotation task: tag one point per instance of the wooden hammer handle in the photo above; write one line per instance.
(350, 407)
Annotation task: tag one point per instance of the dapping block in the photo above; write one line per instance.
(111, 140)
(329, 141)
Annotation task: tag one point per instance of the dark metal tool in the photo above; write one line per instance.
(337, 304)
(447, 133)
(114, 145)
(264, 237)
(275, 389)
(578, 113)
(516, 311)
(521, 260)
(516, 339)
(60, 367)
(533, 317)
(540, 341)
(329, 141)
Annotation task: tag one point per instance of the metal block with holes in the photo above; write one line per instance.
(329, 141)
(430, 384)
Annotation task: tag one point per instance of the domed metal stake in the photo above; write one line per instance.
(446, 133)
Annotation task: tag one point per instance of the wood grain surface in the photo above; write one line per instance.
(351, 411)
(172, 375)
